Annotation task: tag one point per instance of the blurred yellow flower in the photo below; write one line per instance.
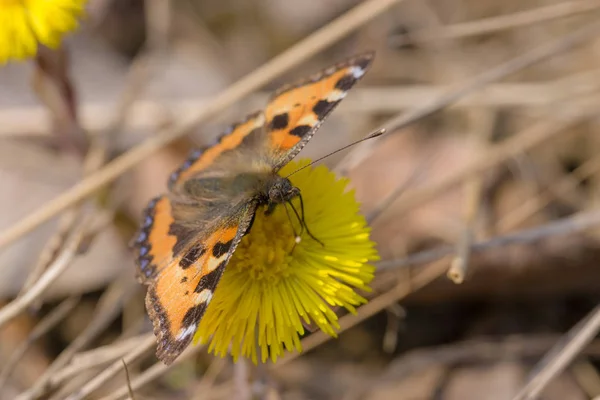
(272, 284)
(26, 23)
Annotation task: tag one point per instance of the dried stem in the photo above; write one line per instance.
(48, 322)
(109, 306)
(562, 355)
(92, 359)
(531, 137)
(421, 278)
(471, 351)
(529, 96)
(484, 125)
(567, 226)
(149, 375)
(59, 265)
(113, 370)
(535, 204)
(361, 151)
(579, 222)
(494, 24)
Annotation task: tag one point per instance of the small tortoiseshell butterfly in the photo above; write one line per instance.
(188, 235)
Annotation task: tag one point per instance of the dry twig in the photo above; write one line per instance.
(113, 369)
(108, 307)
(576, 223)
(48, 322)
(472, 191)
(361, 151)
(561, 355)
(92, 359)
(499, 153)
(494, 24)
(148, 376)
(420, 279)
(527, 96)
(58, 266)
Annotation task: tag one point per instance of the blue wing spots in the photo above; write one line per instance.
(192, 158)
(141, 237)
(141, 245)
(148, 221)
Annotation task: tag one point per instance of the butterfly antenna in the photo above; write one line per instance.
(372, 135)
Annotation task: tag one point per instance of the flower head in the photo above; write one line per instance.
(273, 283)
(26, 23)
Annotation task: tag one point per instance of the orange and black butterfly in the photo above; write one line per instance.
(189, 234)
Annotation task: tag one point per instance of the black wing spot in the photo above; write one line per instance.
(280, 121)
(182, 234)
(323, 107)
(221, 248)
(210, 280)
(192, 256)
(193, 315)
(345, 83)
(184, 279)
(301, 130)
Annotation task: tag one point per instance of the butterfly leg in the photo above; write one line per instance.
(303, 222)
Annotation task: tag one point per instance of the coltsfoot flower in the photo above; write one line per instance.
(24, 24)
(273, 283)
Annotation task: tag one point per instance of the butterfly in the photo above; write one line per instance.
(188, 235)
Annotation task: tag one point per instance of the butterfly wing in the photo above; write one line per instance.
(242, 137)
(296, 111)
(188, 236)
(182, 281)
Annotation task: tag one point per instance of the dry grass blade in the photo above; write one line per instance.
(565, 186)
(577, 223)
(472, 188)
(316, 42)
(141, 113)
(52, 246)
(499, 153)
(129, 388)
(423, 277)
(92, 359)
(494, 24)
(57, 267)
(47, 323)
(361, 151)
(562, 355)
(108, 308)
(151, 374)
(113, 369)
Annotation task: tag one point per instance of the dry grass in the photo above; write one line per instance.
(488, 173)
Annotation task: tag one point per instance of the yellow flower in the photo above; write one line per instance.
(26, 23)
(272, 284)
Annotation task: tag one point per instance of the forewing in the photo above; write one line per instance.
(296, 111)
(245, 136)
(182, 282)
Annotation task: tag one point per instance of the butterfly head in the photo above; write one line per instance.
(281, 190)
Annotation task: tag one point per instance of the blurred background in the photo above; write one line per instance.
(484, 208)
